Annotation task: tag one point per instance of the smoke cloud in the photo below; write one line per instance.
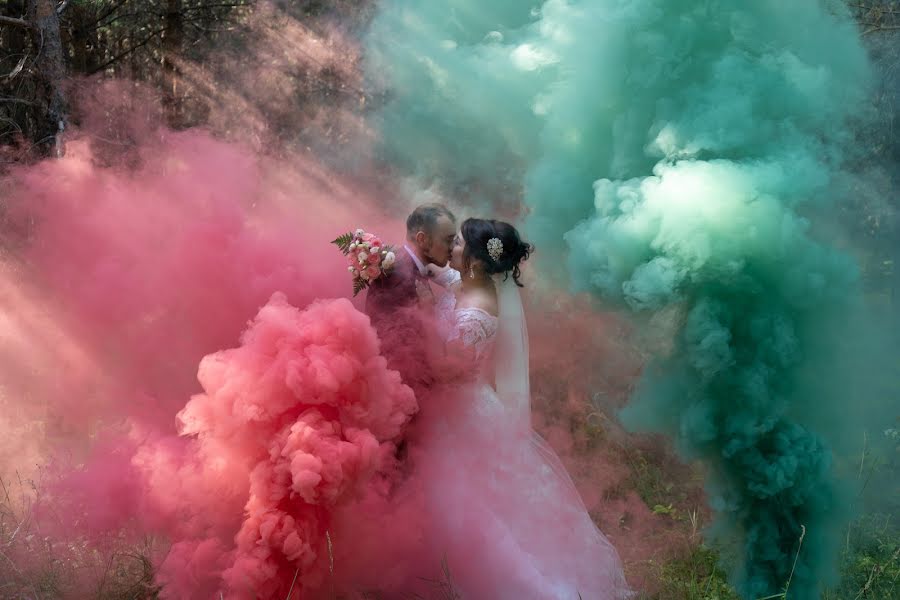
(677, 156)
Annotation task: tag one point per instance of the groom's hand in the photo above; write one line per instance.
(425, 294)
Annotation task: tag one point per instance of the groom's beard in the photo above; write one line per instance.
(429, 259)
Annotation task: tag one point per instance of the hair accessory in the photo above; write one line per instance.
(495, 249)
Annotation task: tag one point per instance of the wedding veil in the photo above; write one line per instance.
(511, 352)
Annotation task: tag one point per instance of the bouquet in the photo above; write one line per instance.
(369, 258)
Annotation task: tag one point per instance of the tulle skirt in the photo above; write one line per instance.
(485, 507)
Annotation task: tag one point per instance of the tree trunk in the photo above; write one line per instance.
(50, 74)
(172, 42)
(83, 39)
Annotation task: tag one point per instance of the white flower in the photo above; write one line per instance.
(351, 269)
(388, 261)
(353, 246)
(364, 275)
(363, 257)
(360, 233)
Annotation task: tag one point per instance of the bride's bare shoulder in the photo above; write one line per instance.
(485, 300)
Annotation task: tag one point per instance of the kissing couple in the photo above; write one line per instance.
(504, 517)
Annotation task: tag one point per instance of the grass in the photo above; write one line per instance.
(870, 569)
(870, 565)
(34, 565)
(695, 576)
(37, 564)
(441, 589)
(662, 490)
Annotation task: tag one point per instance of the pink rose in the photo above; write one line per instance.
(368, 237)
(373, 272)
(374, 258)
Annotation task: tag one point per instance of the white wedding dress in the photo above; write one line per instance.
(503, 512)
(480, 496)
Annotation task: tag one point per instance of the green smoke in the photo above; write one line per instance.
(672, 152)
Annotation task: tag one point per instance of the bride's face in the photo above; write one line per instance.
(456, 253)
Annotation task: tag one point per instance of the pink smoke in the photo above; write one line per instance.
(293, 422)
(119, 281)
(153, 269)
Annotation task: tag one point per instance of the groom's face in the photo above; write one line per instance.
(437, 244)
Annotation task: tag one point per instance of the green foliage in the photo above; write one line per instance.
(870, 564)
(343, 242)
(696, 576)
(359, 285)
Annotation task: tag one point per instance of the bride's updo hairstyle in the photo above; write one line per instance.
(478, 234)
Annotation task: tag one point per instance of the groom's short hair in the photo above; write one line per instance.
(425, 217)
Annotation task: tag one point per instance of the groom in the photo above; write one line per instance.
(392, 301)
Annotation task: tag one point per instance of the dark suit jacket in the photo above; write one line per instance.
(397, 290)
(392, 306)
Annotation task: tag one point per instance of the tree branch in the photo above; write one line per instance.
(17, 101)
(877, 28)
(213, 6)
(122, 55)
(111, 10)
(18, 68)
(97, 25)
(188, 9)
(877, 9)
(14, 21)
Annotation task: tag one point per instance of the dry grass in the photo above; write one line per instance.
(39, 562)
(35, 564)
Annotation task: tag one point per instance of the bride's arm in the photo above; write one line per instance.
(446, 277)
(459, 358)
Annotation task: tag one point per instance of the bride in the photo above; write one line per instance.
(504, 513)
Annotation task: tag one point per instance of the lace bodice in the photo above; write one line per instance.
(475, 327)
